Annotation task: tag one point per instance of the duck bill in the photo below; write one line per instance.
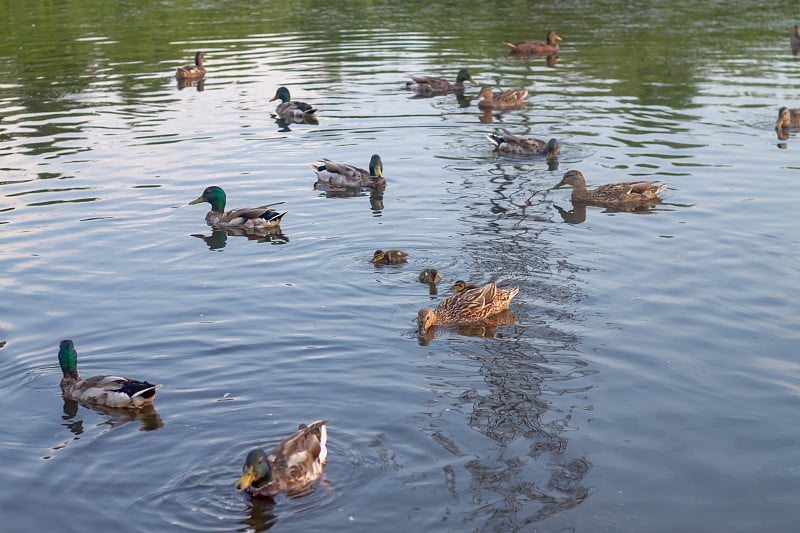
(560, 184)
(197, 201)
(247, 479)
(273, 98)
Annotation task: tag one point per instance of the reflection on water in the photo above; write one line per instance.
(260, 515)
(376, 204)
(219, 236)
(577, 215)
(183, 83)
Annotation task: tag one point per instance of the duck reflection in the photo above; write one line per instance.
(284, 122)
(577, 215)
(487, 328)
(219, 236)
(375, 194)
(183, 83)
(147, 416)
(261, 516)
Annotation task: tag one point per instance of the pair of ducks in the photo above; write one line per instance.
(289, 467)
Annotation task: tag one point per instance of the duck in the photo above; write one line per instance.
(461, 285)
(290, 109)
(248, 218)
(289, 467)
(788, 118)
(508, 143)
(511, 99)
(108, 391)
(192, 71)
(534, 47)
(430, 276)
(428, 85)
(795, 40)
(614, 194)
(389, 257)
(347, 175)
(469, 306)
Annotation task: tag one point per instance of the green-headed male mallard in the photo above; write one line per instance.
(534, 47)
(466, 307)
(346, 175)
(795, 40)
(192, 72)
(249, 217)
(389, 257)
(788, 118)
(630, 194)
(510, 99)
(430, 276)
(290, 466)
(110, 391)
(508, 143)
(290, 109)
(428, 85)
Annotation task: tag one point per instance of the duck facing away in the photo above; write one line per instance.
(290, 109)
(192, 72)
(470, 306)
(508, 143)
(428, 85)
(510, 99)
(289, 467)
(430, 276)
(249, 217)
(109, 391)
(631, 193)
(788, 118)
(346, 175)
(389, 257)
(534, 47)
(795, 40)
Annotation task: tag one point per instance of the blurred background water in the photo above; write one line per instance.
(651, 379)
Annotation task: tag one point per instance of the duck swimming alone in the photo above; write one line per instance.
(249, 217)
(534, 47)
(292, 110)
(195, 71)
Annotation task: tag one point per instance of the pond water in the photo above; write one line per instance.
(650, 381)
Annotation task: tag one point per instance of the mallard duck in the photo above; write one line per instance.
(511, 99)
(461, 285)
(534, 47)
(389, 257)
(290, 109)
(346, 175)
(427, 85)
(788, 118)
(109, 391)
(614, 194)
(430, 276)
(192, 71)
(249, 217)
(795, 40)
(290, 466)
(466, 307)
(509, 143)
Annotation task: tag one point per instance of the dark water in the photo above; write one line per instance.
(651, 379)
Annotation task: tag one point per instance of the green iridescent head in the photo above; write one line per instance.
(464, 75)
(553, 148)
(213, 195)
(256, 469)
(68, 359)
(375, 166)
(281, 94)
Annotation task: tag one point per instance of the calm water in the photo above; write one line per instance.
(651, 381)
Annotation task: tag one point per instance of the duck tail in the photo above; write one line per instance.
(147, 392)
(495, 139)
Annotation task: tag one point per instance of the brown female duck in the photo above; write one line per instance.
(192, 72)
(614, 194)
(795, 40)
(534, 47)
(511, 99)
(469, 306)
(428, 85)
(788, 118)
(508, 143)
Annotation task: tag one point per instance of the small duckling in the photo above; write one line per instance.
(461, 285)
(430, 276)
(389, 257)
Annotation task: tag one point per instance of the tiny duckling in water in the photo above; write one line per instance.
(389, 257)
(430, 276)
(461, 285)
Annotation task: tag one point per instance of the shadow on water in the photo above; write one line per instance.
(219, 237)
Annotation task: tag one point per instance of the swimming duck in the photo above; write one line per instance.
(192, 71)
(466, 307)
(109, 391)
(614, 194)
(290, 109)
(511, 99)
(509, 143)
(430, 276)
(534, 47)
(249, 217)
(795, 40)
(428, 85)
(389, 257)
(290, 466)
(461, 285)
(346, 175)
(788, 118)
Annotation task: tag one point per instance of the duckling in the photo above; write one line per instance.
(795, 40)
(109, 391)
(614, 194)
(389, 257)
(290, 109)
(511, 144)
(192, 71)
(511, 99)
(249, 217)
(466, 307)
(346, 175)
(289, 467)
(788, 118)
(430, 276)
(461, 285)
(534, 47)
(428, 85)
